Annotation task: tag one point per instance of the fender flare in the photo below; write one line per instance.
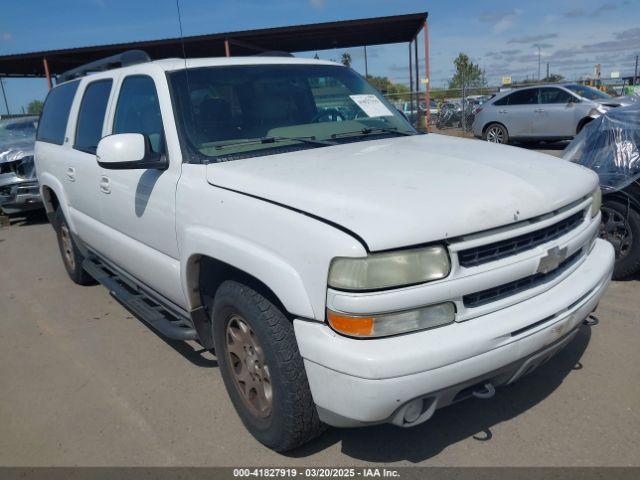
(47, 180)
(266, 265)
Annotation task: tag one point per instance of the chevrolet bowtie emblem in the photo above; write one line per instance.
(552, 260)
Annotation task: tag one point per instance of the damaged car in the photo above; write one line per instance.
(19, 190)
(610, 146)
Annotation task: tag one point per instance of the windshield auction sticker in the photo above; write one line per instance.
(371, 105)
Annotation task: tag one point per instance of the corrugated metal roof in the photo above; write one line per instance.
(297, 38)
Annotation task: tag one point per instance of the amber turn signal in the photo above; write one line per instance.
(354, 326)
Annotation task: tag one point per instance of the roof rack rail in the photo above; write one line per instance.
(124, 59)
(273, 53)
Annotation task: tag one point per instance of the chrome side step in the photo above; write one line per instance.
(157, 317)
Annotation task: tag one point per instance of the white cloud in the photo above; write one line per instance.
(6, 36)
(317, 4)
(502, 21)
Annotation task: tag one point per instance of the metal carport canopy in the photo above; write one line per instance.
(298, 38)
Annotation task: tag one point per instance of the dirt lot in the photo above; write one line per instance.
(82, 382)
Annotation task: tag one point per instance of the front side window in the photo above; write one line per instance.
(138, 111)
(589, 93)
(232, 112)
(554, 95)
(91, 115)
(55, 113)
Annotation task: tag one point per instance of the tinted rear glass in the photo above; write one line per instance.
(91, 116)
(55, 114)
(524, 97)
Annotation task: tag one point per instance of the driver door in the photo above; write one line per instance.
(138, 206)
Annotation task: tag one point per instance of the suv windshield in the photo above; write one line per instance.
(589, 93)
(226, 113)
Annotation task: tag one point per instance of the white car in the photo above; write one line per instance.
(346, 269)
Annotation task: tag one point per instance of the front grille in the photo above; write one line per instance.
(494, 294)
(472, 257)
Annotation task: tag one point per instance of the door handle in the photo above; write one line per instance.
(105, 184)
(539, 110)
(502, 111)
(71, 174)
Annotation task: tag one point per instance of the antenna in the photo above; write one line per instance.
(186, 69)
(184, 51)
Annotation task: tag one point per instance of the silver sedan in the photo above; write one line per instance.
(543, 112)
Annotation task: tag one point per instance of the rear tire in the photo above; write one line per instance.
(496, 133)
(71, 256)
(620, 225)
(262, 369)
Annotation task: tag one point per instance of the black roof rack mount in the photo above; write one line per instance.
(124, 59)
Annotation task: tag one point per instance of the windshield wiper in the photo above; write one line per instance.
(369, 130)
(264, 140)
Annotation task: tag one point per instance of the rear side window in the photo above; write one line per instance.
(55, 114)
(91, 115)
(138, 111)
(502, 101)
(524, 97)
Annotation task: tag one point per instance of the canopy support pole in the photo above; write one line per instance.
(417, 67)
(4, 95)
(427, 95)
(366, 63)
(227, 50)
(410, 81)
(46, 72)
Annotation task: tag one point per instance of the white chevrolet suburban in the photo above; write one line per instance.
(346, 269)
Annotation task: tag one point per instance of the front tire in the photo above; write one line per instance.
(71, 256)
(620, 225)
(496, 133)
(262, 369)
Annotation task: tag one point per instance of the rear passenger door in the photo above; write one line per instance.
(518, 112)
(138, 206)
(81, 171)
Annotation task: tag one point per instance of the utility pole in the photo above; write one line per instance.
(635, 74)
(538, 62)
(547, 70)
(6, 104)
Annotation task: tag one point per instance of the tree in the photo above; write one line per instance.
(397, 91)
(468, 74)
(346, 59)
(35, 107)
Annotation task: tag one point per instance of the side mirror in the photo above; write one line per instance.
(128, 151)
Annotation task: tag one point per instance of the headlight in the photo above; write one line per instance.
(596, 202)
(389, 269)
(393, 323)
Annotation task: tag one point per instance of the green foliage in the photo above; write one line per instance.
(468, 74)
(395, 91)
(346, 59)
(35, 107)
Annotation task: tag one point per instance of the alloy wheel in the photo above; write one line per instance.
(67, 246)
(250, 371)
(495, 134)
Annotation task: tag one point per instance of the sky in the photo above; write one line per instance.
(502, 36)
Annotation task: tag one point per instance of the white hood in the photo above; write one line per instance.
(410, 190)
